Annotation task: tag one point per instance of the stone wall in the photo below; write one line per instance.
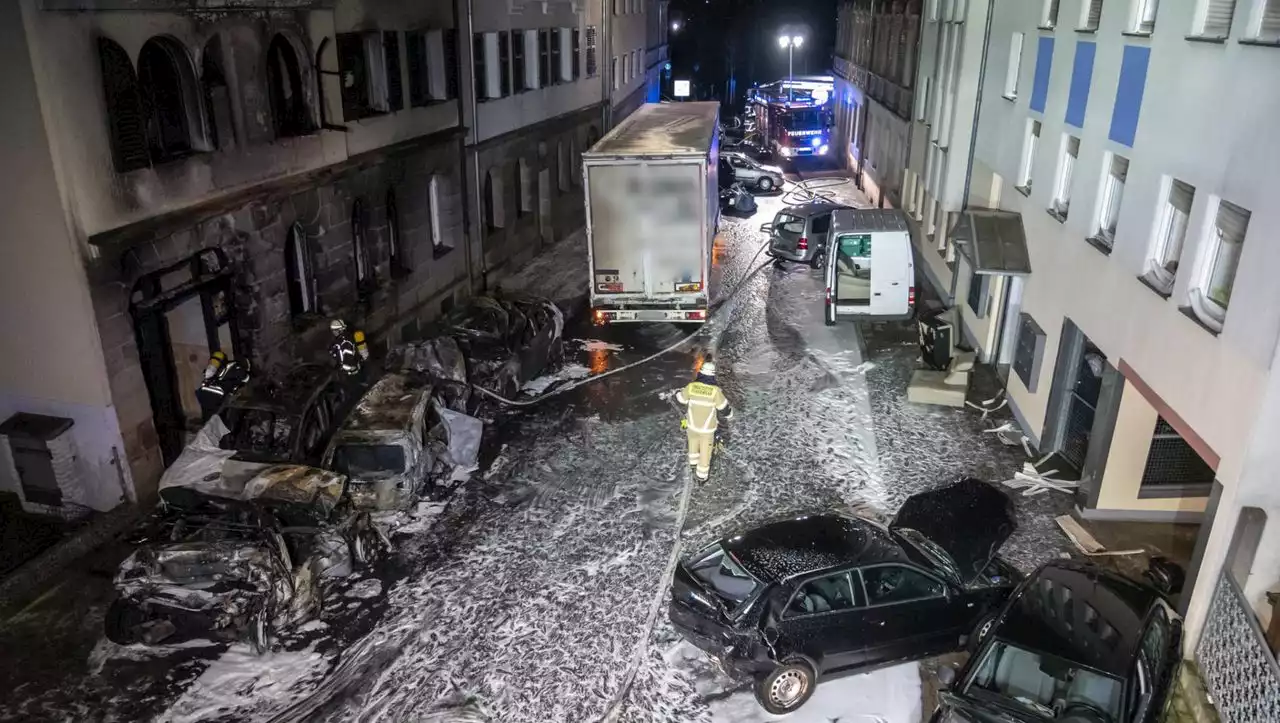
(522, 234)
(253, 231)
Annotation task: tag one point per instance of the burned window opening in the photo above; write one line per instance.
(289, 113)
(399, 264)
(217, 95)
(174, 120)
(493, 216)
(302, 297)
(395, 83)
(125, 125)
(365, 281)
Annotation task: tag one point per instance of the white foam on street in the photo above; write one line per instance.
(888, 695)
(242, 683)
(568, 372)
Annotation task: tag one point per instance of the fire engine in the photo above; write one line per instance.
(793, 118)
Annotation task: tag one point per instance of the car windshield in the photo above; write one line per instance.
(259, 432)
(1045, 684)
(936, 554)
(804, 120)
(725, 577)
(369, 460)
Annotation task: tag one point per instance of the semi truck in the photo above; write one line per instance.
(652, 209)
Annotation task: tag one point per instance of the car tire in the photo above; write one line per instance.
(818, 258)
(786, 687)
(122, 624)
(765, 184)
(829, 315)
(260, 631)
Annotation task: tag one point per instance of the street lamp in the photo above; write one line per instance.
(675, 26)
(790, 42)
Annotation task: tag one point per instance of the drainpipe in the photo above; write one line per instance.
(977, 105)
(472, 239)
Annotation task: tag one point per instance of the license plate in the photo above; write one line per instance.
(609, 288)
(651, 315)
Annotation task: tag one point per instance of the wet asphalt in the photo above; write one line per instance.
(536, 593)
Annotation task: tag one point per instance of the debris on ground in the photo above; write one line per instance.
(1033, 482)
(1086, 543)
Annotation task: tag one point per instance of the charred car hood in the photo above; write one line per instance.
(969, 520)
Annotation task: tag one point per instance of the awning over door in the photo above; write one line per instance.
(993, 241)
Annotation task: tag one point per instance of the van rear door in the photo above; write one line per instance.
(893, 276)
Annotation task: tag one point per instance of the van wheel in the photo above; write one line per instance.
(829, 316)
(819, 257)
(786, 688)
(765, 184)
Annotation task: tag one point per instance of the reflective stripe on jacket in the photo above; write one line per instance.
(702, 401)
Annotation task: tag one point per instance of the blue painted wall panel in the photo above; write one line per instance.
(1081, 79)
(1133, 82)
(1044, 64)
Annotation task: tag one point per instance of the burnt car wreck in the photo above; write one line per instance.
(304, 478)
(823, 595)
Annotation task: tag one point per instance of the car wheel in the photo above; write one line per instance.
(123, 622)
(765, 184)
(829, 315)
(818, 258)
(260, 632)
(786, 688)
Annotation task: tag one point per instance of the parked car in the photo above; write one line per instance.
(736, 200)
(1075, 644)
(810, 597)
(751, 173)
(799, 233)
(286, 419)
(399, 443)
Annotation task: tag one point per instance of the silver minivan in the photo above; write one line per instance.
(799, 233)
(750, 173)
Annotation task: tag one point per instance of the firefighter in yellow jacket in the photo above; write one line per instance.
(705, 403)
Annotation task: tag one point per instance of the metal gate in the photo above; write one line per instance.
(1238, 668)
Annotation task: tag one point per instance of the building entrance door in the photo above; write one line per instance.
(181, 315)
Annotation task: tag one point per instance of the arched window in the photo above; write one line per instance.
(217, 94)
(289, 115)
(399, 264)
(524, 189)
(176, 125)
(360, 249)
(297, 265)
(126, 128)
(493, 216)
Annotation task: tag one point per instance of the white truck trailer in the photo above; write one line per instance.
(653, 204)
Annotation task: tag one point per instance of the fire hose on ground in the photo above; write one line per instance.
(801, 192)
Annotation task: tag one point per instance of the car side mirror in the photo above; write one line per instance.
(766, 227)
(946, 676)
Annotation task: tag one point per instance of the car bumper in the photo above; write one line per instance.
(734, 654)
(802, 256)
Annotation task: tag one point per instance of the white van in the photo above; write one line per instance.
(870, 271)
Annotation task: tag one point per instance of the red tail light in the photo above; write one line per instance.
(828, 297)
(911, 296)
(699, 314)
(803, 244)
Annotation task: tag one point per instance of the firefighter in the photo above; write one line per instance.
(349, 352)
(705, 403)
(211, 393)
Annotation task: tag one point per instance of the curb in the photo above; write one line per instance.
(24, 584)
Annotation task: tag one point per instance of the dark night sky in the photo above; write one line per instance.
(742, 35)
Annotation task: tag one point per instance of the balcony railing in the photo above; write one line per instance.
(1239, 669)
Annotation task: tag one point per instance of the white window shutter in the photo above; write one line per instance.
(1232, 222)
(1119, 168)
(1269, 28)
(1217, 18)
(1181, 196)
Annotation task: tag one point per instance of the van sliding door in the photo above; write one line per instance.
(851, 287)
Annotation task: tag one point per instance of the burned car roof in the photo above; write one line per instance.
(289, 394)
(809, 543)
(390, 404)
(1081, 613)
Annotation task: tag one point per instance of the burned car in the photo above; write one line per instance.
(1073, 644)
(494, 342)
(815, 596)
(400, 442)
(289, 419)
(235, 550)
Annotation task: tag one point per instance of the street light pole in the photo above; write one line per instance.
(791, 42)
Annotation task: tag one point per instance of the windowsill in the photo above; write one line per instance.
(1100, 244)
(1059, 217)
(1050, 28)
(440, 251)
(1011, 98)
(1190, 313)
(1024, 190)
(1150, 491)
(1219, 39)
(1262, 42)
(1137, 33)
(1087, 31)
(1154, 290)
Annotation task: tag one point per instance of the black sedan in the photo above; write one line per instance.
(1074, 644)
(815, 596)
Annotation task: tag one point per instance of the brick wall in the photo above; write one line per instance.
(253, 236)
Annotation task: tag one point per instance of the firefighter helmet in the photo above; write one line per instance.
(337, 326)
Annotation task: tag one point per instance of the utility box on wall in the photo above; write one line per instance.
(40, 463)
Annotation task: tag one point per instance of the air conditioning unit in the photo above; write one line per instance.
(38, 460)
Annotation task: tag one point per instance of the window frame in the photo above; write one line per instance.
(848, 573)
(299, 277)
(1107, 217)
(1226, 10)
(396, 259)
(1090, 15)
(1049, 14)
(1139, 23)
(866, 595)
(439, 246)
(366, 274)
(1014, 69)
(1159, 255)
(1027, 162)
(1265, 26)
(1202, 301)
(1060, 204)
